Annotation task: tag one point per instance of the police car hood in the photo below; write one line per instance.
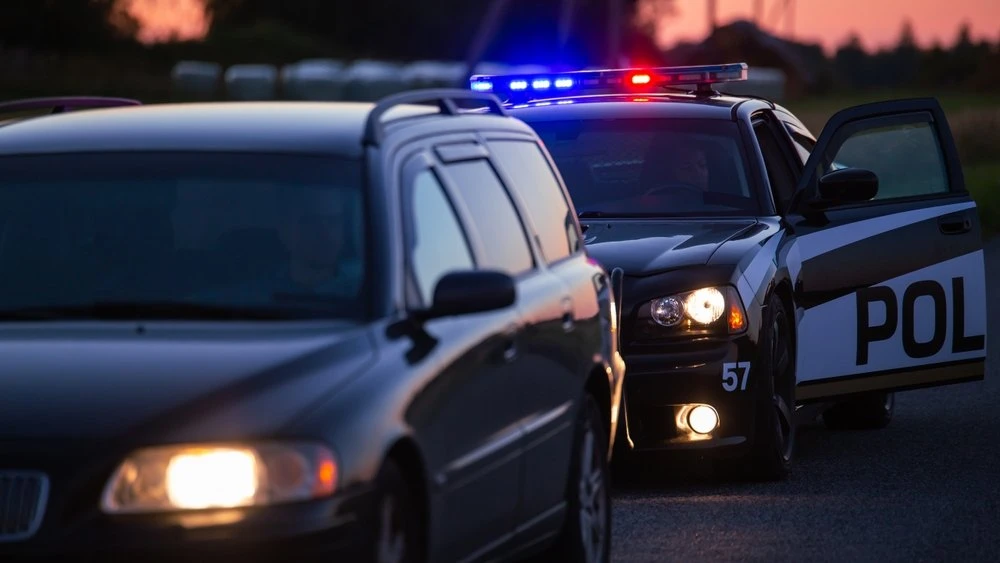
(646, 247)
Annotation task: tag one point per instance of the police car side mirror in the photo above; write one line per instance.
(848, 185)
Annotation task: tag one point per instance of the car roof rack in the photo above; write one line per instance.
(445, 98)
(61, 104)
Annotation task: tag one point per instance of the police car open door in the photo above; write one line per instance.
(890, 286)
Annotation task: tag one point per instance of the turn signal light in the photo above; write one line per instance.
(737, 320)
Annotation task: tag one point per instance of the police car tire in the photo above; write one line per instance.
(770, 457)
(871, 411)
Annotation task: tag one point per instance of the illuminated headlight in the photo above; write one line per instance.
(192, 477)
(701, 308)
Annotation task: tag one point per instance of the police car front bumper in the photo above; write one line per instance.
(661, 390)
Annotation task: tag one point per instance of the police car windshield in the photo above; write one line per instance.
(181, 235)
(652, 167)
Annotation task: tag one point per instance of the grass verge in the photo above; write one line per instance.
(983, 181)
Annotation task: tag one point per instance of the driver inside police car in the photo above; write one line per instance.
(691, 166)
(670, 163)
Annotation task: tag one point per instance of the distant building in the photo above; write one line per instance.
(805, 66)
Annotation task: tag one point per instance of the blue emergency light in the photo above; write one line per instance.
(619, 80)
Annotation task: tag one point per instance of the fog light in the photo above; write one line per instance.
(703, 419)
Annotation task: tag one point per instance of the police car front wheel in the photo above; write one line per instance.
(770, 456)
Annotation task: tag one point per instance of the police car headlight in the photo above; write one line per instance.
(206, 476)
(667, 311)
(702, 309)
(705, 306)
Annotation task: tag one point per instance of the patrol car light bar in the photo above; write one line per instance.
(626, 80)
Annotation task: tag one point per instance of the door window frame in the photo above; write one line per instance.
(522, 208)
(765, 118)
(848, 122)
(411, 168)
(480, 153)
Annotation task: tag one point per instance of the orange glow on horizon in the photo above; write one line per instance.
(163, 20)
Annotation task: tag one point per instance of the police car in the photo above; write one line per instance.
(765, 275)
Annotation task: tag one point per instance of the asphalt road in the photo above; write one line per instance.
(926, 488)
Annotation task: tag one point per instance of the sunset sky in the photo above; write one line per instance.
(826, 21)
(829, 22)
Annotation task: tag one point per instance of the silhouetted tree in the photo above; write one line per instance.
(64, 25)
(850, 62)
(907, 39)
(647, 15)
(404, 29)
(905, 60)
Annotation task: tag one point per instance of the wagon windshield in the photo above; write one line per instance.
(181, 235)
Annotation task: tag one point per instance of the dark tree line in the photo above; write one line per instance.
(442, 29)
(64, 25)
(964, 63)
(393, 29)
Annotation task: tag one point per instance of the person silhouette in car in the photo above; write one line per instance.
(311, 223)
(312, 226)
(675, 173)
(690, 166)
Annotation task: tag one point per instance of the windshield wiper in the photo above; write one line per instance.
(135, 310)
(641, 215)
(312, 298)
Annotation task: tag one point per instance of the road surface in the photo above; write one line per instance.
(926, 488)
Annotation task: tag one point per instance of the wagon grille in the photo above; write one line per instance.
(23, 495)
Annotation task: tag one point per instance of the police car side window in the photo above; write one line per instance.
(531, 176)
(889, 151)
(494, 216)
(439, 245)
(779, 171)
(803, 145)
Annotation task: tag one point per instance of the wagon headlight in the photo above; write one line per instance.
(192, 477)
(700, 309)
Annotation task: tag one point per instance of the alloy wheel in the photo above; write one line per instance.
(593, 508)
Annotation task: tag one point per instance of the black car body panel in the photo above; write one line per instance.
(479, 406)
(127, 385)
(650, 247)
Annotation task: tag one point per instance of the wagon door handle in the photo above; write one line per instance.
(955, 225)
(510, 351)
(568, 319)
(568, 322)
